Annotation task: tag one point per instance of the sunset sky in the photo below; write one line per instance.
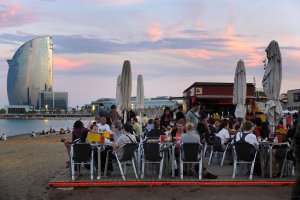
(172, 43)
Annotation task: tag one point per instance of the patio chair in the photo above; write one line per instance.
(81, 153)
(190, 153)
(152, 153)
(278, 147)
(126, 157)
(289, 159)
(207, 146)
(217, 149)
(243, 153)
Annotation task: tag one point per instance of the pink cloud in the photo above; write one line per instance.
(191, 53)
(154, 32)
(62, 64)
(12, 15)
(114, 2)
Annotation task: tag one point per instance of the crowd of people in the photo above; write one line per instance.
(194, 126)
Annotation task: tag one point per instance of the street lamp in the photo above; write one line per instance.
(93, 109)
(46, 107)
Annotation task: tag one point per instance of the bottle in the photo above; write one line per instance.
(276, 139)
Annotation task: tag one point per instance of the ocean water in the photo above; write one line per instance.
(14, 127)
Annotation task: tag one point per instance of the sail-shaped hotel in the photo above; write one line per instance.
(30, 76)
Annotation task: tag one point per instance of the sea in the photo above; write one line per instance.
(13, 127)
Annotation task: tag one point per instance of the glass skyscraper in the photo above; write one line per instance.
(30, 72)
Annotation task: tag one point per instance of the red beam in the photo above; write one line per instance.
(159, 183)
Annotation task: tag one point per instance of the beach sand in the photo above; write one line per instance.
(27, 164)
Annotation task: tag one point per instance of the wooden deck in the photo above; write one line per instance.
(63, 178)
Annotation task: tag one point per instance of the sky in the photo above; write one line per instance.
(172, 43)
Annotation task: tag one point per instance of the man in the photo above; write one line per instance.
(179, 114)
(192, 115)
(113, 114)
(103, 126)
(137, 128)
(156, 132)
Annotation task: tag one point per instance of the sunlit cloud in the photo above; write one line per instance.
(62, 64)
(12, 15)
(154, 32)
(190, 53)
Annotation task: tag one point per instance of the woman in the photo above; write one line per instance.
(127, 137)
(223, 133)
(189, 137)
(165, 119)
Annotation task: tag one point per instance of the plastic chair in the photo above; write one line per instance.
(127, 156)
(190, 153)
(278, 146)
(289, 156)
(81, 153)
(243, 153)
(217, 149)
(152, 153)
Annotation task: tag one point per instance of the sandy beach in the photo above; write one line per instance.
(27, 164)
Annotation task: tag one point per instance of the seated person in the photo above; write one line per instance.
(212, 130)
(189, 137)
(178, 131)
(118, 129)
(62, 131)
(156, 132)
(79, 134)
(137, 128)
(150, 125)
(96, 121)
(127, 137)
(246, 135)
(103, 126)
(223, 133)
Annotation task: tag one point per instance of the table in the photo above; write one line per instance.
(99, 146)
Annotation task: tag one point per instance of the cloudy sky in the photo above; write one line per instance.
(172, 43)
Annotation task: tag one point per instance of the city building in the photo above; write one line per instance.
(53, 100)
(152, 105)
(30, 71)
(30, 78)
(216, 97)
(17, 109)
(293, 100)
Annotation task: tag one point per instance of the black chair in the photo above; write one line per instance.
(243, 153)
(81, 153)
(190, 153)
(217, 149)
(277, 147)
(152, 153)
(289, 158)
(127, 155)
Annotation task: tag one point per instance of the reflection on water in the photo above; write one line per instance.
(13, 127)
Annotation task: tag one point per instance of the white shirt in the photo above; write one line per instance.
(103, 128)
(250, 138)
(223, 134)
